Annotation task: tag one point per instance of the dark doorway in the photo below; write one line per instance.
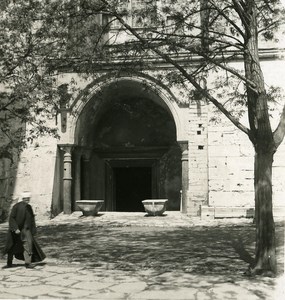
(132, 185)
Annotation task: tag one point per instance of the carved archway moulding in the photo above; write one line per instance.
(100, 84)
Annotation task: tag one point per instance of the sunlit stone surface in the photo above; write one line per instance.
(90, 207)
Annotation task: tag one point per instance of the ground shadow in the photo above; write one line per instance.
(240, 248)
(197, 250)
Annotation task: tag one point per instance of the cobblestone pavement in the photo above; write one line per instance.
(131, 256)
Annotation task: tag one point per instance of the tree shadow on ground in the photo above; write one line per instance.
(196, 250)
(240, 248)
(201, 259)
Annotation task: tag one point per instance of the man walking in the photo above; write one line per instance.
(20, 238)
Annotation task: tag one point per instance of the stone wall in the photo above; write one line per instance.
(35, 173)
(231, 159)
(220, 165)
(231, 177)
(7, 182)
(198, 157)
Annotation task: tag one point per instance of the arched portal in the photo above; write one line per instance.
(126, 148)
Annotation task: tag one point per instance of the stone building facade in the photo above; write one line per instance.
(126, 137)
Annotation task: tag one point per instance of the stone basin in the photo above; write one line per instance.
(154, 207)
(89, 207)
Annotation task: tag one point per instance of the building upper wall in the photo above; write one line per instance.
(181, 27)
(174, 98)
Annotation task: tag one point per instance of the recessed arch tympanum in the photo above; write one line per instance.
(130, 85)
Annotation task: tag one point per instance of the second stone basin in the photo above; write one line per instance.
(155, 207)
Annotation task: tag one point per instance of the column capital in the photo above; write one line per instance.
(183, 145)
(67, 148)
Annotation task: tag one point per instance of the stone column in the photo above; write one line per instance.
(67, 178)
(85, 191)
(185, 177)
(77, 177)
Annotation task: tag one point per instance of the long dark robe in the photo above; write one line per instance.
(22, 218)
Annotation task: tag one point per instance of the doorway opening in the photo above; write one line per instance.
(131, 186)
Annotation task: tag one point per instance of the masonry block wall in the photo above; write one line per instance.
(220, 165)
(278, 180)
(231, 171)
(198, 157)
(231, 159)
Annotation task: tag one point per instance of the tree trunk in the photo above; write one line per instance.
(265, 256)
(262, 138)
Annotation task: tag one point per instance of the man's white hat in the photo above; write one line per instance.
(26, 195)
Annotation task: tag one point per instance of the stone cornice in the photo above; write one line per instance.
(152, 62)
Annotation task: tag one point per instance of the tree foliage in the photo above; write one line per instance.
(196, 38)
(29, 37)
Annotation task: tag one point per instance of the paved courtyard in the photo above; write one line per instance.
(131, 256)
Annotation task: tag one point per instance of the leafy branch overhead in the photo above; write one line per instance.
(195, 41)
(198, 38)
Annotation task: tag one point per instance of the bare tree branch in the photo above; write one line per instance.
(167, 58)
(228, 19)
(215, 61)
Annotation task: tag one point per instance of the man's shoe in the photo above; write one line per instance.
(28, 266)
(7, 266)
